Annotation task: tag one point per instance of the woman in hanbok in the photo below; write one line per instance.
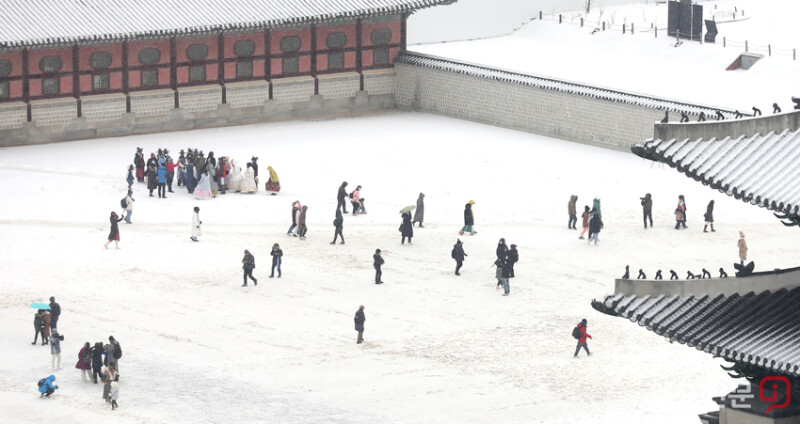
(236, 177)
(273, 184)
(203, 189)
(249, 181)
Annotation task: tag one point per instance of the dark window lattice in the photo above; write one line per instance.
(4, 91)
(291, 43)
(100, 82)
(336, 61)
(197, 52)
(244, 69)
(197, 73)
(100, 60)
(51, 86)
(380, 56)
(50, 64)
(150, 78)
(291, 65)
(244, 48)
(5, 68)
(149, 56)
(381, 36)
(336, 40)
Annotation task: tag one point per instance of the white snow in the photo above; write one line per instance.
(641, 63)
(439, 348)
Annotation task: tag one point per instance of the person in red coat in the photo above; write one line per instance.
(85, 363)
(582, 339)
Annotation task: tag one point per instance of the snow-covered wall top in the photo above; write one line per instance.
(435, 62)
(59, 21)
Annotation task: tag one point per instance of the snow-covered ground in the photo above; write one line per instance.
(642, 63)
(439, 348)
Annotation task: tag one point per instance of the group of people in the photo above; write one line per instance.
(680, 213)
(95, 362)
(592, 219)
(249, 264)
(507, 256)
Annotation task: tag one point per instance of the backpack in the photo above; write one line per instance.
(123, 202)
(453, 253)
(351, 194)
(117, 351)
(576, 332)
(41, 382)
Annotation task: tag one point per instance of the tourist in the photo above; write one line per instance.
(458, 254)
(647, 209)
(709, 217)
(595, 225)
(355, 200)
(114, 394)
(302, 228)
(129, 179)
(273, 184)
(222, 174)
(359, 320)
(113, 352)
(254, 162)
(680, 217)
(113, 235)
(502, 250)
(46, 330)
(213, 179)
(55, 313)
(97, 361)
(153, 161)
(203, 189)
(596, 207)
(338, 224)
(249, 184)
(249, 263)
(498, 272)
(585, 223)
(55, 349)
(38, 326)
(583, 335)
(742, 248)
(377, 262)
(236, 178)
(109, 376)
(138, 160)
(504, 277)
(152, 179)
(682, 202)
(340, 196)
(85, 362)
(196, 223)
(181, 166)
(277, 258)
(419, 213)
(469, 219)
(295, 214)
(48, 386)
(170, 164)
(573, 214)
(406, 229)
(128, 210)
(513, 257)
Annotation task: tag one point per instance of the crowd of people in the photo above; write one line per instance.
(96, 363)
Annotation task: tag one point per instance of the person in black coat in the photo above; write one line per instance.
(469, 219)
(248, 264)
(338, 224)
(512, 258)
(595, 225)
(38, 326)
(55, 312)
(406, 228)
(505, 274)
(153, 161)
(502, 250)
(709, 216)
(359, 320)
(97, 361)
(114, 233)
(340, 196)
(254, 165)
(458, 254)
(377, 262)
(277, 258)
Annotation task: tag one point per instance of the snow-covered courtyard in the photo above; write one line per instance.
(439, 348)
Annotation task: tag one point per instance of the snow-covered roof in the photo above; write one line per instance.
(440, 63)
(58, 21)
(758, 329)
(759, 169)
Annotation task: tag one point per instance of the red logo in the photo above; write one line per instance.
(774, 397)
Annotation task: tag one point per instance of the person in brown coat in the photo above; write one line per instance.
(742, 248)
(46, 329)
(301, 223)
(573, 215)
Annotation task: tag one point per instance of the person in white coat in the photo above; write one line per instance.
(249, 182)
(129, 206)
(236, 177)
(196, 223)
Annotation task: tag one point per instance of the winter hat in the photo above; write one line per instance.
(471, 202)
(246, 251)
(377, 250)
(741, 234)
(276, 245)
(502, 240)
(513, 246)
(197, 209)
(52, 298)
(583, 321)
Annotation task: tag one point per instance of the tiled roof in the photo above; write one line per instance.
(761, 169)
(759, 329)
(434, 62)
(27, 22)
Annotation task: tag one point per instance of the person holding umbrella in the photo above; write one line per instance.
(249, 264)
(38, 326)
(406, 228)
(469, 219)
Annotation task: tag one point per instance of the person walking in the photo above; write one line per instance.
(302, 229)
(113, 234)
(595, 225)
(338, 224)
(138, 160)
(196, 223)
(377, 262)
(505, 274)
(682, 202)
(109, 376)
(582, 336)
(647, 209)
(295, 214)
(355, 200)
(406, 228)
(277, 257)
(573, 214)
(709, 217)
(152, 179)
(742, 244)
(114, 395)
(273, 185)
(340, 196)
(55, 349)
(129, 178)
(55, 312)
(469, 219)
(128, 210)
(48, 386)
(97, 361)
(38, 326)
(359, 320)
(85, 362)
(680, 217)
(249, 263)
(458, 254)
(419, 213)
(585, 223)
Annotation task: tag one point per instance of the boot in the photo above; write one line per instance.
(255, 282)
(712, 228)
(705, 228)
